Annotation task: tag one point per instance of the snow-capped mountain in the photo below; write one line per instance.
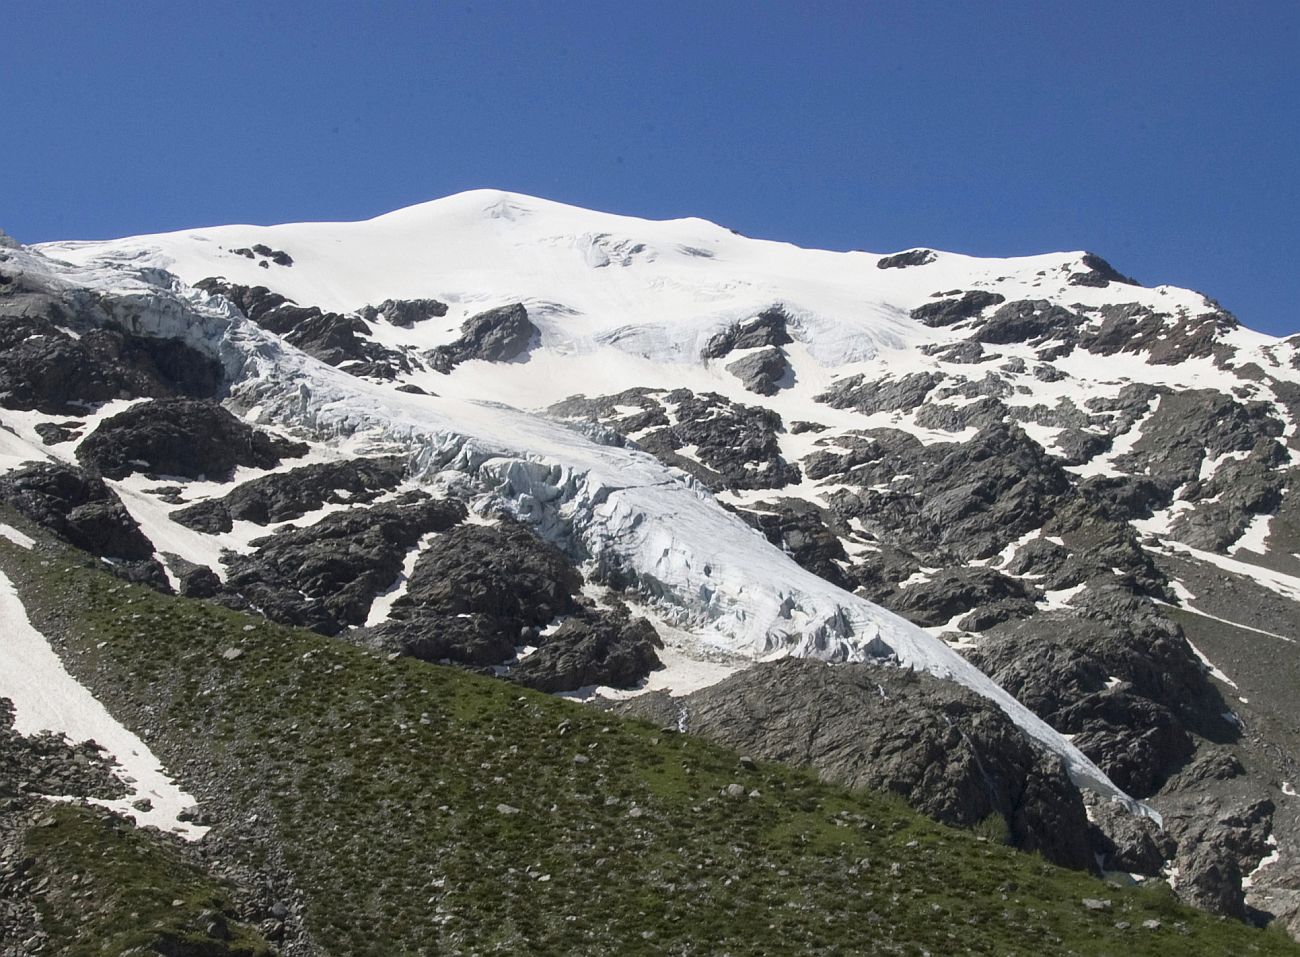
(1033, 477)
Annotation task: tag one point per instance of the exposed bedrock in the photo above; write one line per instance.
(880, 395)
(949, 311)
(1188, 426)
(911, 257)
(80, 509)
(595, 648)
(947, 751)
(1117, 675)
(722, 443)
(498, 335)
(961, 500)
(404, 313)
(62, 352)
(764, 372)
(282, 496)
(768, 328)
(325, 576)
(1099, 273)
(480, 593)
(190, 438)
(955, 591)
(337, 339)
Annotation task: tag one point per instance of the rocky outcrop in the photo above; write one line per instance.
(283, 496)
(881, 395)
(498, 335)
(184, 437)
(1098, 273)
(80, 509)
(325, 576)
(768, 328)
(950, 311)
(593, 649)
(948, 752)
(955, 591)
(724, 444)
(337, 339)
(1115, 674)
(60, 353)
(762, 372)
(912, 257)
(404, 313)
(480, 594)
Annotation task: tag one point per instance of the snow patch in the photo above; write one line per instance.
(47, 698)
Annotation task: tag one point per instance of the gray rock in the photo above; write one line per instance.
(498, 335)
(947, 751)
(185, 437)
(768, 328)
(764, 372)
(404, 313)
(947, 312)
(912, 257)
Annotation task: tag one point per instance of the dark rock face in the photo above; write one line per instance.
(950, 753)
(599, 648)
(1031, 321)
(947, 312)
(803, 531)
(498, 335)
(955, 591)
(185, 437)
(912, 257)
(964, 500)
(1187, 426)
(1166, 341)
(881, 395)
(762, 372)
(1215, 849)
(480, 592)
(283, 496)
(503, 572)
(768, 328)
(44, 367)
(1226, 503)
(326, 576)
(404, 313)
(736, 445)
(261, 250)
(476, 594)
(1129, 842)
(965, 352)
(1099, 274)
(333, 338)
(1115, 673)
(80, 509)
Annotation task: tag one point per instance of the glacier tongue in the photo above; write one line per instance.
(618, 509)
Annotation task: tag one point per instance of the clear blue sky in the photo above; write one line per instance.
(1162, 135)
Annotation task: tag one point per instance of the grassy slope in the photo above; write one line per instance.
(382, 781)
(107, 888)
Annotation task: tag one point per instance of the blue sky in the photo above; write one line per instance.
(1162, 135)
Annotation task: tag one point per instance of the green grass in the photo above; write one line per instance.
(389, 822)
(110, 889)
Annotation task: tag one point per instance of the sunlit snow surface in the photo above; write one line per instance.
(47, 698)
(620, 302)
